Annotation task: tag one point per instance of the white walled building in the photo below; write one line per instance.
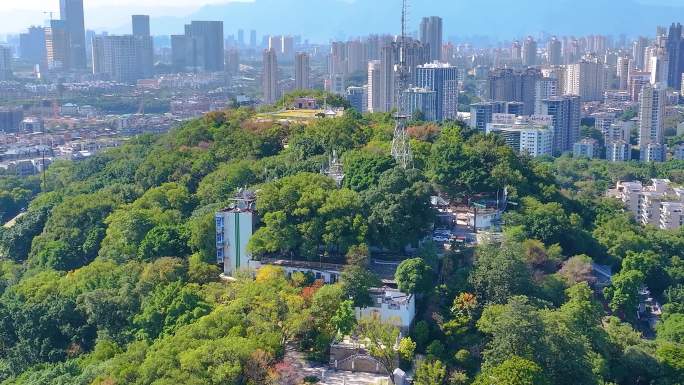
(659, 204)
(391, 306)
(527, 135)
(652, 101)
(618, 151)
(586, 148)
(234, 228)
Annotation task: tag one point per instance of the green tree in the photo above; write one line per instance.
(356, 283)
(414, 276)
(164, 241)
(513, 371)
(380, 340)
(623, 293)
(344, 318)
(430, 373)
(500, 273)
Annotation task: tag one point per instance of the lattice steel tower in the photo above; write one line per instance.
(401, 146)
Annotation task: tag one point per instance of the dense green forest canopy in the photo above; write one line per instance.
(108, 277)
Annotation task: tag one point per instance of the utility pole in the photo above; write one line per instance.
(401, 145)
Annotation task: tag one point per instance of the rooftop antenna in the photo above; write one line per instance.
(401, 146)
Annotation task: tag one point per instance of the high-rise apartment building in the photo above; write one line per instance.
(544, 88)
(287, 48)
(358, 98)
(233, 61)
(441, 78)
(302, 71)
(141, 25)
(529, 52)
(57, 46)
(638, 48)
(532, 135)
(431, 36)
(114, 57)
(375, 93)
(252, 39)
(201, 48)
(514, 86)
(144, 45)
(241, 38)
(71, 12)
(586, 79)
(623, 67)
(652, 102)
(32, 46)
(554, 52)
(566, 114)
(270, 77)
(421, 102)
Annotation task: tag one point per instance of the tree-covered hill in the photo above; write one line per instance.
(109, 276)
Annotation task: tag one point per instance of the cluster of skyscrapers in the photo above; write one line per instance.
(554, 83)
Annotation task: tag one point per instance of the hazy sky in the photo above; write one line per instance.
(16, 15)
(321, 20)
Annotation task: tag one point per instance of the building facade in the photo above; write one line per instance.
(659, 205)
(441, 78)
(652, 101)
(269, 78)
(302, 71)
(566, 113)
(71, 12)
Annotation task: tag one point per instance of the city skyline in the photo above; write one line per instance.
(348, 18)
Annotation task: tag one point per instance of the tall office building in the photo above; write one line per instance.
(201, 48)
(586, 79)
(302, 71)
(441, 78)
(57, 46)
(32, 46)
(375, 95)
(431, 36)
(652, 101)
(508, 85)
(270, 76)
(5, 62)
(623, 66)
(71, 12)
(675, 55)
(114, 57)
(553, 52)
(565, 112)
(529, 52)
(144, 45)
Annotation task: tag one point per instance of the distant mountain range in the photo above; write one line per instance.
(322, 20)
